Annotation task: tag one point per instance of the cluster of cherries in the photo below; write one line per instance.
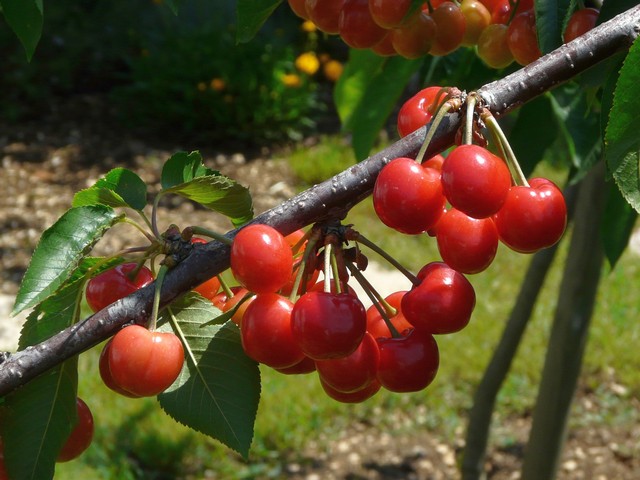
(502, 30)
(467, 200)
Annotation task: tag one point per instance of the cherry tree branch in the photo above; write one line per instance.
(328, 200)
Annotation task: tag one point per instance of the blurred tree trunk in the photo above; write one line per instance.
(569, 332)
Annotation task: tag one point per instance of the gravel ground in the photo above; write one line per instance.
(45, 161)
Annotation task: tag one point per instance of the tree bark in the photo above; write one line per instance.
(330, 199)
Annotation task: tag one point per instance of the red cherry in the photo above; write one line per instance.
(357, 28)
(580, 22)
(477, 17)
(466, 244)
(492, 46)
(105, 373)
(376, 325)
(266, 332)
(532, 217)
(325, 13)
(409, 363)
(417, 111)
(304, 366)
(443, 301)
(475, 181)
(451, 25)
(389, 13)
(328, 325)
(384, 47)
(261, 259)
(299, 7)
(80, 437)
(114, 284)
(408, 197)
(522, 38)
(353, 372)
(145, 363)
(209, 288)
(230, 304)
(415, 37)
(353, 397)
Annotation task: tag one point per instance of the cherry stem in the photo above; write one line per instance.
(376, 299)
(310, 248)
(154, 215)
(368, 243)
(140, 228)
(442, 111)
(211, 234)
(327, 267)
(507, 151)
(472, 100)
(156, 297)
(225, 286)
(178, 331)
(336, 271)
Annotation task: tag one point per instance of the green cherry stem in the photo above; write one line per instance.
(507, 151)
(442, 111)
(310, 249)
(376, 299)
(368, 243)
(154, 215)
(156, 297)
(472, 100)
(225, 286)
(140, 228)
(211, 234)
(335, 271)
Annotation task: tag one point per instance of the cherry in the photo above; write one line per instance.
(451, 25)
(532, 217)
(116, 283)
(384, 47)
(293, 239)
(522, 38)
(143, 362)
(466, 244)
(417, 111)
(477, 17)
(408, 363)
(261, 259)
(80, 437)
(325, 13)
(492, 46)
(357, 28)
(230, 304)
(376, 325)
(306, 365)
(328, 325)
(353, 372)
(580, 22)
(415, 37)
(299, 7)
(475, 181)
(443, 301)
(209, 288)
(408, 197)
(434, 162)
(389, 13)
(266, 332)
(353, 397)
(105, 373)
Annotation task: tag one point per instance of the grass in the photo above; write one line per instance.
(135, 439)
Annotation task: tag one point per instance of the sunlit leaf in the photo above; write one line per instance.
(59, 251)
(118, 188)
(183, 167)
(218, 390)
(618, 221)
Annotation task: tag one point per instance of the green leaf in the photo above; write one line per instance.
(183, 167)
(251, 15)
(37, 420)
(367, 92)
(25, 17)
(218, 390)
(530, 117)
(622, 141)
(39, 416)
(118, 188)
(61, 248)
(618, 221)
(550, 19)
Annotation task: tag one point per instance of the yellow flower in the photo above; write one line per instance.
(291, 80)
(202, 86)
(308, 63)
(308, 26)
(332, 70)
(217, 84)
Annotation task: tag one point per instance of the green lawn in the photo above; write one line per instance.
(135, 439)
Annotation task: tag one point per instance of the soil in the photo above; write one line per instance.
(46, 160)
